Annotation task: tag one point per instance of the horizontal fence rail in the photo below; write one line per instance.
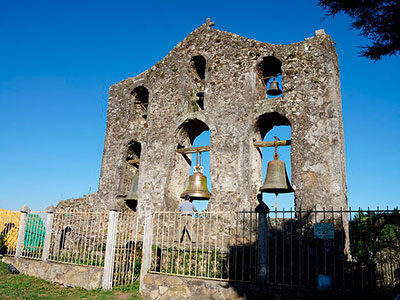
(212, 245)
(344, 250)
(79, 238)
(328, 249)
(34, 234)
(9, 228)
(128, 250)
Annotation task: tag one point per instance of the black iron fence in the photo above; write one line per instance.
(328, 249)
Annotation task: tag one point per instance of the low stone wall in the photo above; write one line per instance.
(67, 274)
(165, 287)
(156, 286)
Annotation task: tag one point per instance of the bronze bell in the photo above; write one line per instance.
(133, 190)
(197, 187)
(276, 181)
(274, 89)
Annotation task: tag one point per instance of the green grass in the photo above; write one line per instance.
(25, 287)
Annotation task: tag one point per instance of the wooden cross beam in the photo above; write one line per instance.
(256, 144)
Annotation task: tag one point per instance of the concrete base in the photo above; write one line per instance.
(66, 274)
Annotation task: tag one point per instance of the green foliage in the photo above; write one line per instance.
(25, 287)
(377, 20)
(375, 237)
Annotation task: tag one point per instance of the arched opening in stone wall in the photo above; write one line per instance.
(192, 133)
(131, 173)
(140, 97)
(199, 64)
(198, 72)
(273, 125)
(270, 75)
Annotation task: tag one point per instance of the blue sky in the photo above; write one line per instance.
(58, 59)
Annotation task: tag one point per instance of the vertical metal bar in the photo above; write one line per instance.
(190, 245)
(104, 223)
(162, 243)
(334, 252)
(291, 246)
(120, 249)
(96, 240)
(243, 248)
(324, 241)
(135, 251)
(215, 245)
(157, 241)
(117, 274)
(342, 245)
(352, 237)
(316, 240)
(209, 248)
(283, 245)
(305, 251)
(203, 242)
(392, 277)
(361, 238)
(173, 241)
(230, 247)
(184, 244)
(222, 230)
(168, 241)
(250, 244)
(268, 219)
(179, 242)
(370, 265)
(276, 246)
(236, 245)
(197, 245)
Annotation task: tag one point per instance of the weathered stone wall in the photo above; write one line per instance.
(66, 274)
(237, 113)
(164, 287)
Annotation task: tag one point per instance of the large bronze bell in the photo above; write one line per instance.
(276, 181)
(197, 187)
(133, 190)
(274, 89)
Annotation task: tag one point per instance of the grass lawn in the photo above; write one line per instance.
(25, 287)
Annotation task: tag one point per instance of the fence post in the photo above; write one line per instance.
(22, 229)
(147, 246)
(110, 247)
(262, 241)
(49, 228)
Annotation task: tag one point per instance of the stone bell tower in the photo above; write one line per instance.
(215, 80)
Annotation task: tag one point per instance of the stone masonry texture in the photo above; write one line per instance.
(66, 274)
(164, 287)
(237, 113)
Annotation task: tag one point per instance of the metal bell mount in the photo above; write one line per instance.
(197, 187)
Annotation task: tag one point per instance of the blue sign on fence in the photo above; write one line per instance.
(324, 231)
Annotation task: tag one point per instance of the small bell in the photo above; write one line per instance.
(276, 181)
(133, 190)
(274, 89)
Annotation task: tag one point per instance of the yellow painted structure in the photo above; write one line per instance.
(9, 226)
